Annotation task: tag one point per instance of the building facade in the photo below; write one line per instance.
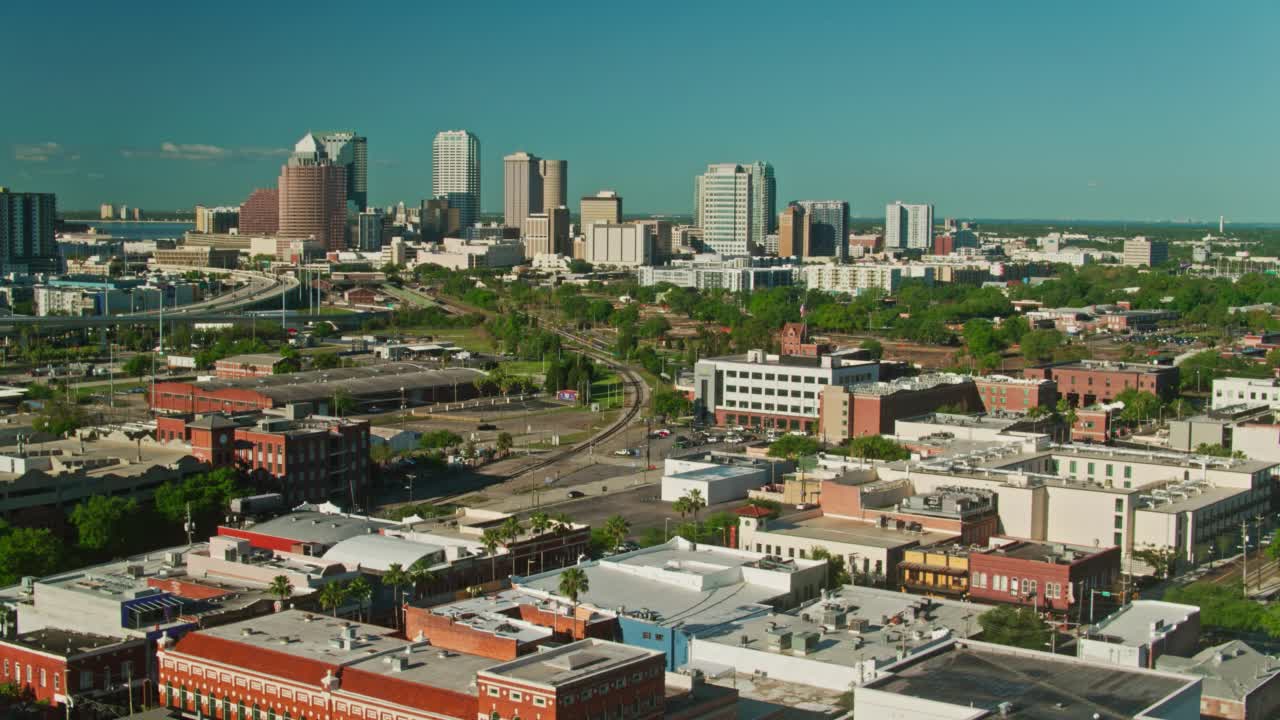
(761, 390)
(908, 226)
(547, 233)
(628, 245)
(1046, 576)
(725, 209)
(1141, 252)
(455, 173)
(27, 239)
(351, 151)
(793, 232)
(706, 272)
(828, 222)
(260, 212)
(555, 183)
(313, 196)
(1087, 382)
(852, 279)
(522, 193)
(603, 207)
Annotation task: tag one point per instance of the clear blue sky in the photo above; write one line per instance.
(1127, 110)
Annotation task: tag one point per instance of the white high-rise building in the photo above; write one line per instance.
(758, 217)
(908, 226)
(724, 212)
(455, 173)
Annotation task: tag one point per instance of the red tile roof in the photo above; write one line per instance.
(754, 511)
(409, 694)
(255, 659)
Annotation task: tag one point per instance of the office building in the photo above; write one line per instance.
(828, 228)
(438, 220)
(27, 241)
(793, 232)
(625, 245)
(216, 220)
(908, 226)
(555, 183)
(522, 193)
(719, 477)
(854, 279)
(662, 237)
(1088, 382)
(313, 196)
(351, 151)
(260, 212)
(725, 211)
(455, 173)
(106, 211)
(463, 254)
(370, 226)
(603, 207)
(547, 233)
(710, 271)
(1141, 252)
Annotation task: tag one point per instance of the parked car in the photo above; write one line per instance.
(624, 452)
(575, 494)
(486, 426)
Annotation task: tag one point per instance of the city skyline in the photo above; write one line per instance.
(1024, 113)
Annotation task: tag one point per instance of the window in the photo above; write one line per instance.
(539, 702)
(659, 637)
(44, 680)
(1033, 587)
(493, 691)
(1128, 472)
(1119, 504)
(515, 696)
(1072, 466)
(647, 636)
(1090, 468)
(1119, 538)
(1013, 586)
(1119, 522)
(1110, 469)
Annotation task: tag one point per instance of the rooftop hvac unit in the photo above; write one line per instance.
(173, 558)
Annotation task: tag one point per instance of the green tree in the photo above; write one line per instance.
(332, 596)
(1162, 560)
(837, 572)
(342, 401)
(59, 417)
(439, 440)
(654, 327)
(617, 527)
(793, 447)
(208, 496)
(873, 347)
(325, 361)
(1038, 346)
(281, 588)
(139, 365)
(574, 582)
(106, 524)
(671, 404)
(491, 538)
(877, 447)
(1139, 406)
(29, 551)
(362, 592)
(504, 443)
(396, 578)
(1015, 626)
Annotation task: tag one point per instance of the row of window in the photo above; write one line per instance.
(36, 675)
(779, 378)
(756, 390)
(744, 405)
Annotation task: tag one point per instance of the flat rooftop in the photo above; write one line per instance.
(716, 472)
(318, 527)
(1159, 457)
(1035, 684)
(571, 663)
(854, 532)
(699, 588)
(313, 637)
(360, 381)
(1206, 497)
(1043, 551)
(58, 641)
(1131, 624)
(895, 620)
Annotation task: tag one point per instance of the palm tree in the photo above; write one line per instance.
(491, 539)
(332, 596)
(362, 592)
(540, 523)
(280, 587)
(511, 530)
(396, 578)
(420, 576)
(617, 528)
(574, 582)
(695, 502)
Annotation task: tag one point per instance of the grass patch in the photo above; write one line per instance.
(524, 367)
(329, 310)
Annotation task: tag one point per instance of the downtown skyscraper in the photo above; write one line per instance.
(27, 241)
(351, 151)
(531, 185)
(908, 226)
(313, 196)
(736, 206)
(455, 173)
(828, 227)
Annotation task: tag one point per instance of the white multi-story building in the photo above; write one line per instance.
(710, 271)
(455, 173)
(724, 208)
(460, 254)
(627, 245)
(762, 390)
(908, 226)
(1231, 391)
(852, 279)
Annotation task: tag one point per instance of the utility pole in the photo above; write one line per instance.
(1244, 558)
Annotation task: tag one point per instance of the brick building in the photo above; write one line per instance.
(303, 458)
(55, 663)
(260, 212)
(1014, 395)
(503, 626)
(794, 341)
(967, 513)
(1086, 382)
(252, 365)
(1044, 575)
(872, 408)
(586, 680)
(367, 386)
(297, 665)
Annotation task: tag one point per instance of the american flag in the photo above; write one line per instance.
(802, 311)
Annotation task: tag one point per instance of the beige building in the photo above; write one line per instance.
(793, 232)
(547, 233)
(521, 188)
(662, 237)
(1141, 252)
(626, 245)
(603, 207)
(198, 256)
(555, 183)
